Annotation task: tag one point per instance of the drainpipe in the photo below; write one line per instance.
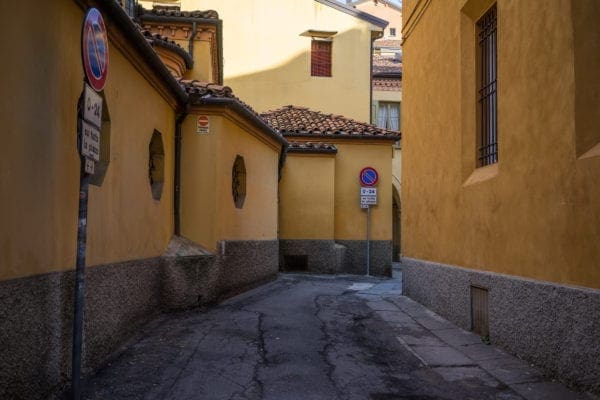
(177, 186)
(191, 45)
(371, 80)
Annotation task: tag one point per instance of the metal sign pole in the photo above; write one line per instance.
(368, 239)
(84, 179)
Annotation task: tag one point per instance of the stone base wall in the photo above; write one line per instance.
(346, 256)
(36, 313)
(246, 264)
(553, 326)
(322, 256)
(355, 260)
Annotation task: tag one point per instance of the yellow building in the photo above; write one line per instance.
(297, 52)
(386, 93)
(501, 164)
(322, 225)
(177, 157)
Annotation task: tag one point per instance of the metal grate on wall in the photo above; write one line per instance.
(487, 98)
(479, 311)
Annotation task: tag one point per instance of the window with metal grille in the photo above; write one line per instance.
(320, 62)
(487, 121)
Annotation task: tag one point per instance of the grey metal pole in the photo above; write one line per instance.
(79, 284)
(368, 240)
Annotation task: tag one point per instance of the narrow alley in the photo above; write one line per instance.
(315, 337)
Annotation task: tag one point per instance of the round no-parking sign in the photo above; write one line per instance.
(94, 49)
(368, 176)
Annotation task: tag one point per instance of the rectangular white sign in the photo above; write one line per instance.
(371, 200)
(368, 191)
(90, 141)
(364, 206)
(92, 107)
(89, 166)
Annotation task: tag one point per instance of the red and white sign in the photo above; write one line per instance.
(202, 124)
(94, 49)
(368, 176)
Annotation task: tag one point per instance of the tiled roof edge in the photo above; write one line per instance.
(355, 13)
(312, 148)
(137, 40)
(167, 44)
(179, 15)
(387, 74)
(242, 109)
(391, 5)
(341, 135)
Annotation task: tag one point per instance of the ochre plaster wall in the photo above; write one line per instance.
(350, 219)
(267, 62)
(536, 213)
(39, 166)
(306, 205)
(208, 211)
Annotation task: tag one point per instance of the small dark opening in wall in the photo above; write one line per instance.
(479, 311)
(295, 263)
(238, 181)
(156, 165)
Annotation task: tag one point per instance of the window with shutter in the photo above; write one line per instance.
(320, 58)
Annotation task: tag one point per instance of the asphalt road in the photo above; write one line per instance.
(300, 337)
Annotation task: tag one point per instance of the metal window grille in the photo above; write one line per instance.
(320, 58)
(479, 311)
(487, 97)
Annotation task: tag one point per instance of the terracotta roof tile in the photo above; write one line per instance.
(300, 121)
(389, 43)
(207, 89)
(175, 11)
(155, 39)
(205, 93)
(310, 147)
(386, 65)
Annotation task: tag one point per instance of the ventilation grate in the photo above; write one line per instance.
(479, 311)
(295, 263)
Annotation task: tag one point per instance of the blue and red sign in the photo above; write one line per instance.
(368, 176)
(94, 49)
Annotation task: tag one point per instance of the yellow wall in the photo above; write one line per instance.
(350, 219)
(306, 205)
(534, 214)
(267, 62)
(208, 212)
(39, 165)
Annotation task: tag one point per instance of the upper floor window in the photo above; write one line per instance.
(487, 71)
(392, 31)
(388, 116)
(320, 58)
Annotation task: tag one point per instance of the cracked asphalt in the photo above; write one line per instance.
(300, 337)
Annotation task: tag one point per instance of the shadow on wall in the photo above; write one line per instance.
(290, 82)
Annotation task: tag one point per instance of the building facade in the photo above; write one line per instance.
(297, 52)
(501, 160)
(152, 244)
(322, 225)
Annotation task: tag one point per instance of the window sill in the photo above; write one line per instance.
(482, 174)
